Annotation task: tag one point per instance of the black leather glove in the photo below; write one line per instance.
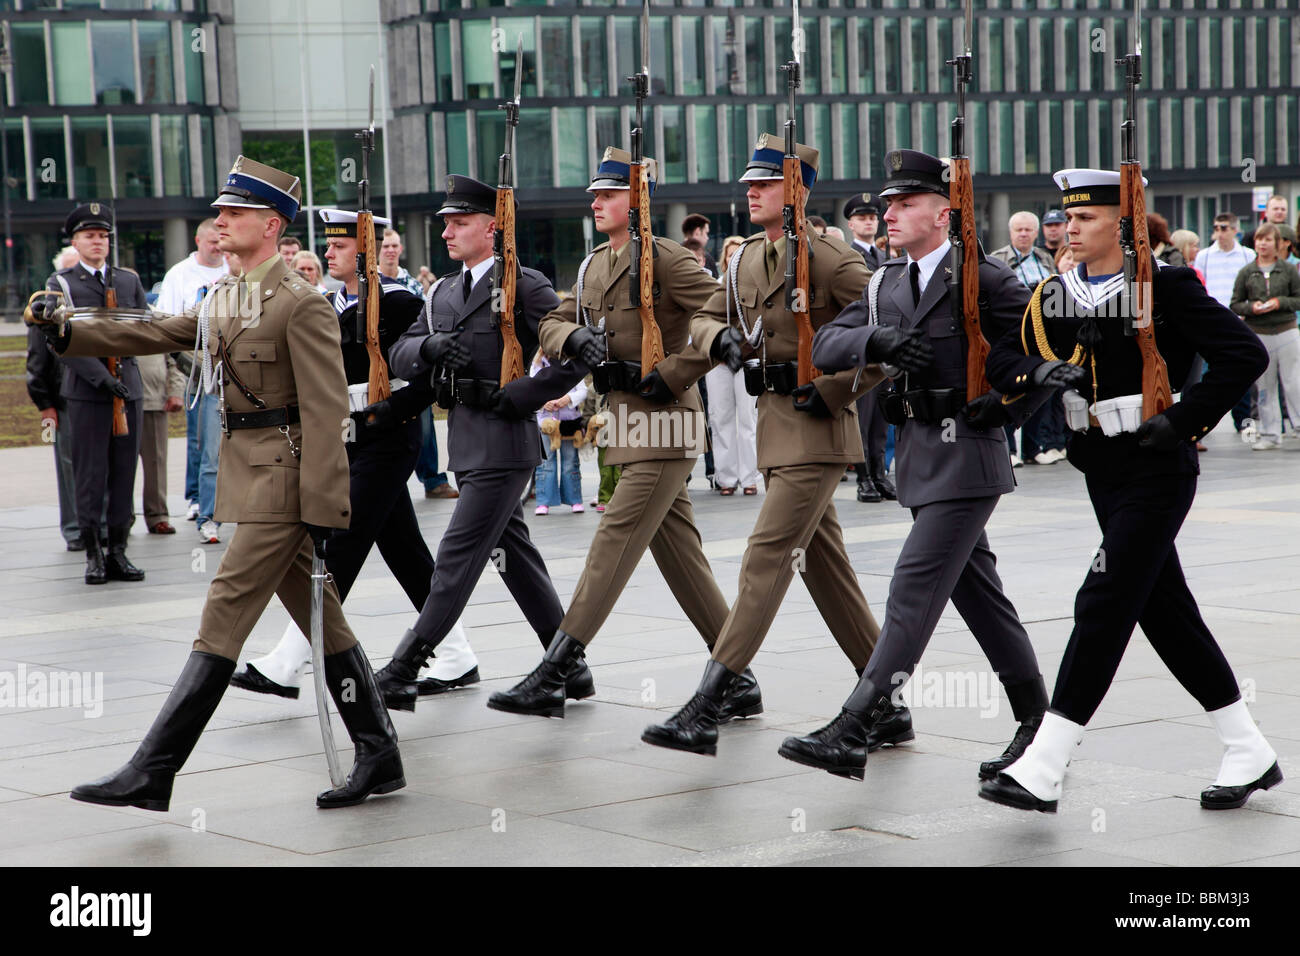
(986, 412)
(1158, 434)
(907, 350)
(653, 388)
(729, 347)
(380, 415)
(319, 535)
(118, 388)
(585, 345)
(445, 349)
(504, 407)
(808, 399)
(1059, 375)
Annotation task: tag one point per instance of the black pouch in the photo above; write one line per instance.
(754, 384)
(443, 393)
(624, 376)
(600, 378)
(891, 407)
(783, 377)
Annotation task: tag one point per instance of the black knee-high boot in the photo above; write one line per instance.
(377, 764)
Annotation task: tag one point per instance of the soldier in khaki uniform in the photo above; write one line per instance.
(806, 436)
(272, 342)
(655, 432)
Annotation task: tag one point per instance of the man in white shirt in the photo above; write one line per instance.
(1223, 259)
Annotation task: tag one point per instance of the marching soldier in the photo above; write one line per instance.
(495, 444)
(103, 462)
(655, 432)
(807, 434)
(384, 441)
(272, 344)
(953, 466)
(1141, 480)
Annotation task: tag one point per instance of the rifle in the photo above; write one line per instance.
(1136, 241)
(794, 224)
(965, 291)
(368, 288)
(505, 264)
(114, 363)
(641, 273)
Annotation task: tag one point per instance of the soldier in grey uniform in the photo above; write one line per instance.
(103, 464)
(953, 466)
(495, 443)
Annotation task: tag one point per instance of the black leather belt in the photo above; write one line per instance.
(281, 417)
(929, 406)
(616, 376)
(476, 392)
(781, 377)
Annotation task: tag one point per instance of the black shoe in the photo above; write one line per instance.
(250, 678)
(146, 780)
(1002, 789)
(95, 571)
(881, 479)
(744, 699)
(76, 544)
(579, 685)
(399, 679)
(428, 686)
(117, 565)
(694, 728)
(542, 693)
(840, 747)
(1028, 704)
(868, 493)
(376, 764)
(1230, 798)
(894, 727)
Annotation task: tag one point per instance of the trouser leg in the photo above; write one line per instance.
(722, 426)
(66, 481)
(90, 424)
(992, 618)
(679, 553)
(153, 461)
(833, 585)
(123, 454)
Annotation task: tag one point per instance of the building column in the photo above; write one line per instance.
(999, 213)
(176, 241)
(676, 216)
(413, 239)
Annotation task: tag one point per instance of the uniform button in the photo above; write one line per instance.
(277, 458)
(767, 304)
(771, 333)
(344, 512)
(252, 355)
(610, 334)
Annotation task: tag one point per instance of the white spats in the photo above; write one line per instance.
(1041, 768)
(1247, 755)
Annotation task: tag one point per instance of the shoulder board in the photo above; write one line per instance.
(296, 284)
(900, 261)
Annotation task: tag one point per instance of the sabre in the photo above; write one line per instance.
(318, 578)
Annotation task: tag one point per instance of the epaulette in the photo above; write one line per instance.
(296, 284)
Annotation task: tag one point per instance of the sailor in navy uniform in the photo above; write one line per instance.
(953, 467)
(383, 444)
(1141, 479)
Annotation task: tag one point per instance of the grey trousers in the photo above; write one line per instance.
(67, 484)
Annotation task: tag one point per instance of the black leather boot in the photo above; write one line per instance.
(376, 764)
(399, 679)
(841, 746)
(894, 726)
(1028, 704)
(118, 566)
(579, 685)
(868, 493)
(694, 728)
(95, 571)
(542, 693)
(744, 699)
(881, 478)
(146, 780)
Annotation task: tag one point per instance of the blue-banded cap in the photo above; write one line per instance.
(342, 223)
(615, 171)
(768, 161)
(255, 185)
(1088, 187)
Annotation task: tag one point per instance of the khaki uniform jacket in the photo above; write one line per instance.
(286, 351)
(837, 276)
(640, 430)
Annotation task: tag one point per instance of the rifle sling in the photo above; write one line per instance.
(224, 355)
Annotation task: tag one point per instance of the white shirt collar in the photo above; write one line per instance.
(929, 262)
(478, 272)
(101, 271)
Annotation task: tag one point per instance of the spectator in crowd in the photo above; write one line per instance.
(1274, 212)
(288, 247)
(696, 248)
(729, 247)
(1188, 245)
(559, 477)
(1220, 262)
(1030, 264)
(817, 224)
(163, 387)
(863, 215)
(307, 264)
(1266, 294)
(1162, 243)
(696, 226)
(390, 261)
(1053, 232)
(1287, 251)
(183, 288)
(693, 245)
(1064, 259)
(835, 232)
(426, 278)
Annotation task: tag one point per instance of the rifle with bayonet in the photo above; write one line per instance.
(505, 263)
(368, 288)
(793, 222)
(1135, 241)
(120, 427)
(641, 263)
(965, 290)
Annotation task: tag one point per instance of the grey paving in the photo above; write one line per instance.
(495, 789)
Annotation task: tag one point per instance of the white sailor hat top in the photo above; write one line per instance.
(342, 223)
(255, 185)
(1088, 187)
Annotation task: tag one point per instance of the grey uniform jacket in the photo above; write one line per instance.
(478, 437)
(85, 378)
(936, 462)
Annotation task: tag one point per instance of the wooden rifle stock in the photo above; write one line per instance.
(798, 296)
(1156, 393)
(512, 353)
(379, 389)
(961, 198)
(115, 369)
(652, 340)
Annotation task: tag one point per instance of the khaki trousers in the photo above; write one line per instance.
(650, 508)
(153, 463)
(797, 530)
(266, 558)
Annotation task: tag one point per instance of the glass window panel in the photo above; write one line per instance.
(1020, 36)
(30, 86)
(672, 156)
(930, 138)
(557, 57)
(893, 55)
(947, 50)
(626, 52)
(1247, 142)
(209, 159)
(1176, 131)
(766, 124)
(595, 72)
(873, 164)
(1108, 147)
(812, 57)
(1081, 135)
(1237, 30)
(661, 57)
(442, 61)
(533, 139)
(739, 145)
(1055, 116)
(902, 122)
(479, 60)
(706, 144)
(866, 55)
(755, 62)
(724, 52)
(849, 140)
(133, 148)
(17, 168)
(71, 64)
(1169, 62)
(114, 62)
(194, 59)
(920, 58)
(49, 169)
(174, 146)
(1029, 141)
(490, 140)
(90, 157)
(839, 57)
(1068, 75)
(819, 136)
(1216, 54)
(1046, 30)
(609, 132)
(155, 61)
(571, 128)
(995, 54)
(692, 53)
(457, 144)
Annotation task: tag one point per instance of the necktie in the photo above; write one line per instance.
(773, 260)
(467, 282)
(99, 277)
(914, 273)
